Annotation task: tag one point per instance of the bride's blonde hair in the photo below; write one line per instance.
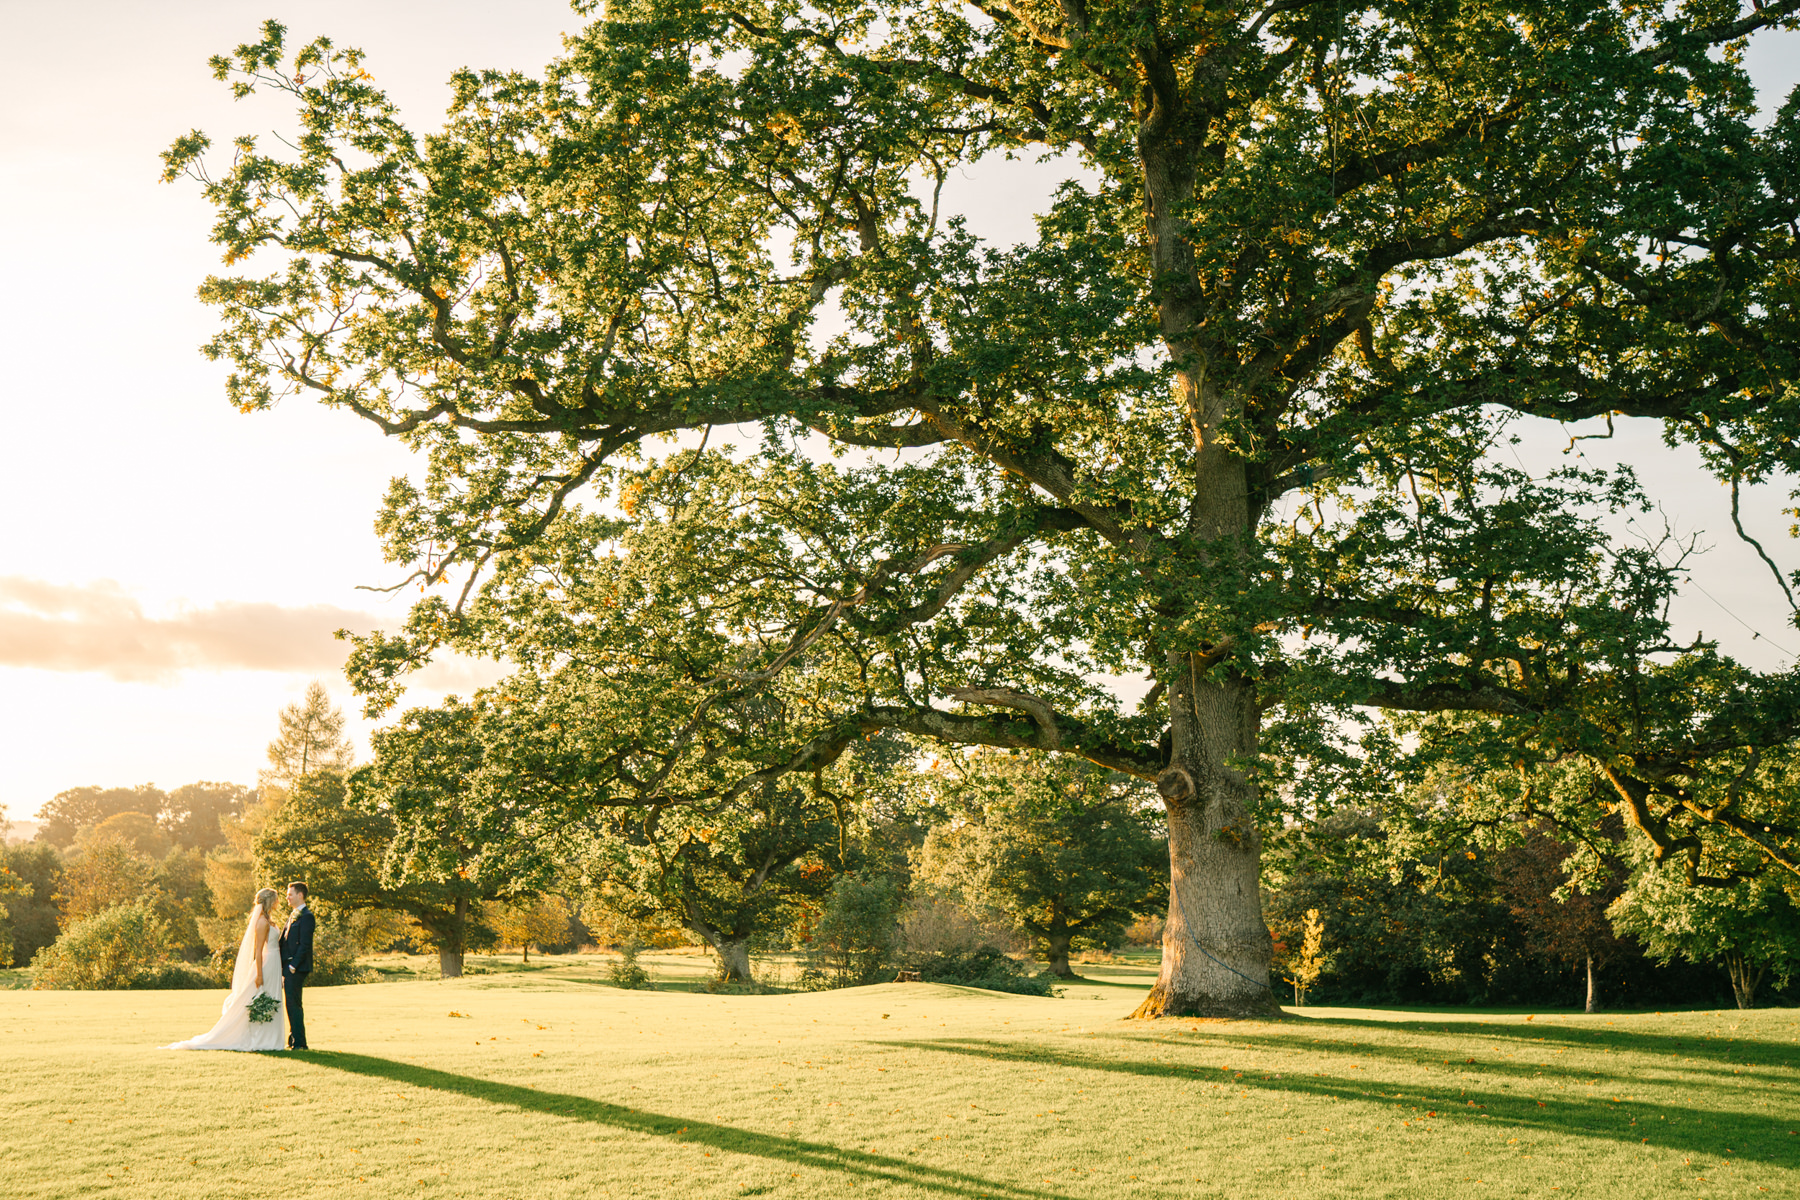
(265, 900)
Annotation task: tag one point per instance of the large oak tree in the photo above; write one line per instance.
(1227, 421)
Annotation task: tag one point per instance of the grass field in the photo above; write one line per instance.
(548, 1083)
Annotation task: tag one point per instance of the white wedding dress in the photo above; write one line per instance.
(235, 1030)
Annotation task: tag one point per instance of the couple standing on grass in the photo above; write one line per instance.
(267, 968)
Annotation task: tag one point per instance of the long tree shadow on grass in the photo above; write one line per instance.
(814, 1155)
(1583, 1034)
(1677, 1129)
(1739, 1060)
(1105, 981)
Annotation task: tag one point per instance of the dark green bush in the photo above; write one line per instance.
(31, 918)
(177, 976)
(857, 933)
(983, 967)
(334, 958)
(334, 955)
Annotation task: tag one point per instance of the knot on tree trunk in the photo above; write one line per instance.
(1175, 784)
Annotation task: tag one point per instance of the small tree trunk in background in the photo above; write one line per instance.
(452, 948)
(734, 958)
(524, 953)
(1744, 979)
(1057, 949)
(1593, 999)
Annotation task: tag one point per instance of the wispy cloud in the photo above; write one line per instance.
(99, 627)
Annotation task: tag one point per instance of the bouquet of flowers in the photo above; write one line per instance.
(263, 1008)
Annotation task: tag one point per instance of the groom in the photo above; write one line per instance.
(296, 962)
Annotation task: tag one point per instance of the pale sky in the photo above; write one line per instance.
(170, 569)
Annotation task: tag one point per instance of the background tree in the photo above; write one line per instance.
(727, 878)
(183, 899)
(230, 868)
(340, 847)
(608, 908)
(12, 891)
(540, 922)
(1311, 961)
(33, 917)
(141, 831)
(71, 811)
(192, 813)
(1228, 420)
(1752, 928)
(230, 819)
(613, 744)
(1416, 908)
(105, 874)
(1564, 919)
(1067, 852)
(311, 738)
(1411, 909)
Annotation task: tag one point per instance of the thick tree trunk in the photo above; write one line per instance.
(1057, 948)
(1745, 979)
(1593, 995)
(734, 957)
(1216, 948)
(452, 947)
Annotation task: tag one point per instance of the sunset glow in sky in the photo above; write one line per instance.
(171, 570)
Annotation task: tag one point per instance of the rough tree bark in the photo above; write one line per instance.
(454, 944)
(1593, 982)
(734, 959)
(733, 949)
(1216, 947)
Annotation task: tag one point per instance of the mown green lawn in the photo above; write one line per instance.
(548, 1083)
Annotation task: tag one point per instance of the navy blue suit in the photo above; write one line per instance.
(296, 964)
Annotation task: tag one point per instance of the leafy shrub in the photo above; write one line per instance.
(628, 972)
(178, 976)
(737, 987)
(857, 933)
(115, 948)
(936, 922)
(334, 955)
(334, 951)
(983, 967)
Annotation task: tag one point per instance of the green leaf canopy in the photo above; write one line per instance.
(1228, 420)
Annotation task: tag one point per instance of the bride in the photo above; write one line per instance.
(256, 973)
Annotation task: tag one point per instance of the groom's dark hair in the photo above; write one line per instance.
(301, 888)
